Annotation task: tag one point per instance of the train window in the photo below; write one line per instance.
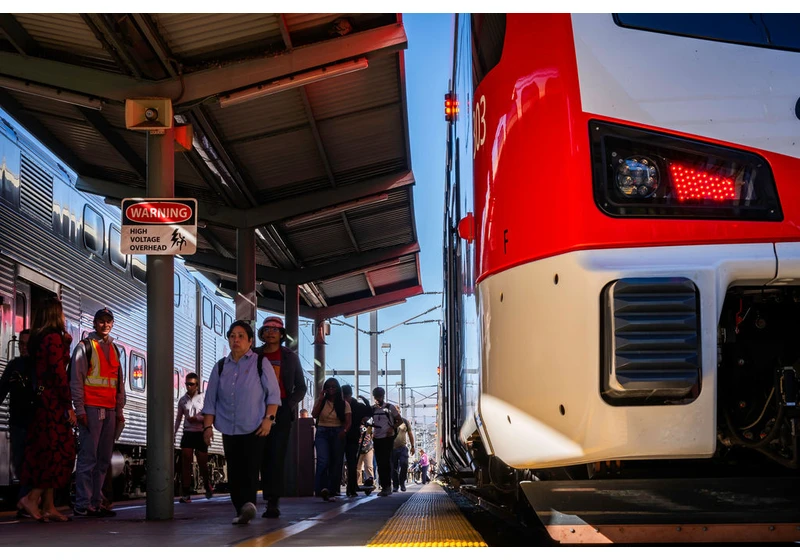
(208, 313)
(114, 252)
(94, 231)
(218, 320)
(138, 372)
(139, 268)
(20, 313)
(177, 294)
(9, 172)
(488, 36)
(772, 31)
(123, 362)
(228, 321)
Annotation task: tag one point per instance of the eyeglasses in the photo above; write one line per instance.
(191, 384)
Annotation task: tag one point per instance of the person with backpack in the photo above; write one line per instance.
(292, 383)
(98, 393)
(385, 420)
(334, 417)
(405, 435)
(241, 401)
(361, 412)
(18, 382)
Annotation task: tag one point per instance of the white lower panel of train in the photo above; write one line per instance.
(540, 402)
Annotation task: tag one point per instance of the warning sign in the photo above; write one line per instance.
(159, 226)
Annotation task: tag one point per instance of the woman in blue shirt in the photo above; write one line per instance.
(241, 403)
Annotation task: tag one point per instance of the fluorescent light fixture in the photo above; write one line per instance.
(52, 93)
(297, 80)
(338, 209)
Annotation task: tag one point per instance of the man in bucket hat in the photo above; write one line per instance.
(98, 393)
(287, 368)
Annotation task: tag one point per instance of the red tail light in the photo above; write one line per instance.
(641, 173)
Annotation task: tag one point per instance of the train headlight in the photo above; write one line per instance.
(637, 176)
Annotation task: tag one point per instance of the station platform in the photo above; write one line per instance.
(423, 516)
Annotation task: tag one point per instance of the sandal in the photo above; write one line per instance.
(33, 512)
(57, 516)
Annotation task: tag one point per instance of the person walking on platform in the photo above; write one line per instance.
(98, 392)
(50, 444)
(292, 383)
(190, 408)
(385, 420)
(241, 401)
(334, 417)
(360, 413)
(366, 457)
(423, 466)
(400, 455)
(18, 382)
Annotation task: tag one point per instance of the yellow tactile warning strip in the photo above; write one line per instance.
(429, 518)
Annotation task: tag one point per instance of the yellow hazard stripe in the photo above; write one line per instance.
(428, 519)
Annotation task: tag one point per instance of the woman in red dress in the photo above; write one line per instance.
(50, 448)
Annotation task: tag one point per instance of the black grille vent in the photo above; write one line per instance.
(36, 193)
(650, 341)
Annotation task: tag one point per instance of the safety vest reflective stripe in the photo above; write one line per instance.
(100, 386)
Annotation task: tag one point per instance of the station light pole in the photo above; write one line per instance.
(386, 348)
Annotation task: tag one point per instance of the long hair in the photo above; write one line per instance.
(338, 399)
(49, 317)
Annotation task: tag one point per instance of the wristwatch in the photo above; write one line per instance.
(271, 418)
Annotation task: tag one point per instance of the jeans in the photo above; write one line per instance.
(399, 466)
(330, 449)
(243, 454)
(425, 479)
(96, 444)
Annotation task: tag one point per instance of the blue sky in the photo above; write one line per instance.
(427, 62)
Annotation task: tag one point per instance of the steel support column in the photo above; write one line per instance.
(373, 352)
(246, 275)
(160, 340)
(319, 357)
(403, 387)
(355, 368)
(291, 313)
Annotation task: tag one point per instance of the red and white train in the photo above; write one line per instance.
(622, 244)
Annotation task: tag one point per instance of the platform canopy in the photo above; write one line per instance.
(300, 130)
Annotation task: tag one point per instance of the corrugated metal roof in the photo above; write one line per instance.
(195, 35)
(367, 89)
(64, 32)
(264, 150)
(344, 286)
(260, 117)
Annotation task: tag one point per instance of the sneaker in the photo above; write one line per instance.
(402, 487)
(22, 514)
(369, 482)
(247, 513)
(271, 513)
(84, 512)
(209, 492)
(186, 500)
(396, 489)
(102, 512)
(385, 492)
(325, 494)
